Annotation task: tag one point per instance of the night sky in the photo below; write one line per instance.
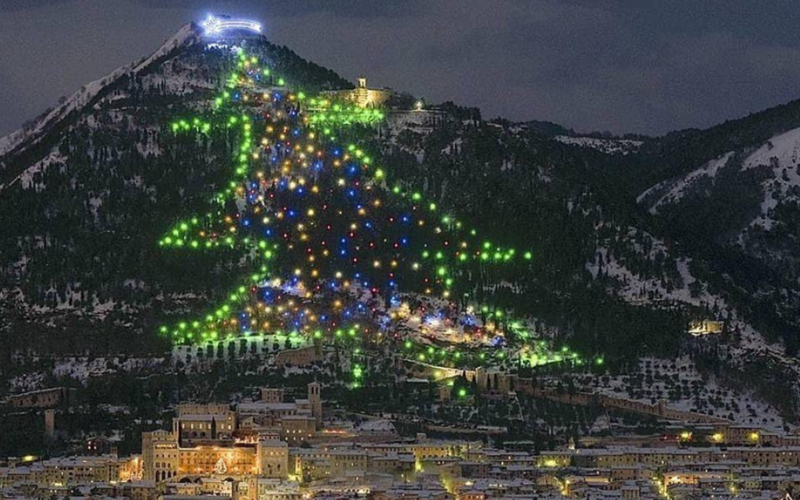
(644, 66)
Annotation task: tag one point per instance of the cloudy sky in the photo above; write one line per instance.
(645, 66)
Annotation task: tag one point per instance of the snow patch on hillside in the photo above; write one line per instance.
(743, 344)
(608, 146)
(782, 155)
(673, 190)
(27, 177)
(679, 383)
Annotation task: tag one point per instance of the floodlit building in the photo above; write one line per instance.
(362, 95)
(706, 327)
(214, 439)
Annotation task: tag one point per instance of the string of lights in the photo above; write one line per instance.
(341, 254)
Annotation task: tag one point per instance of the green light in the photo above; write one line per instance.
(323, 117)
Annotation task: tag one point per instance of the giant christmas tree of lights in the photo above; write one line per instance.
(340, 253)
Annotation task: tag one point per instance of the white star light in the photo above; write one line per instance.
(215, 25)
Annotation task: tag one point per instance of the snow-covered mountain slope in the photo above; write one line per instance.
(89, 93)
(608, 146)
(644, 271)
(763, 182)
(673, 190)
(86, 190)
(781, 155)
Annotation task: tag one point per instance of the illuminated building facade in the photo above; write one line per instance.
(362, 95)
(202, 423)
(213, 439)
(165, 459)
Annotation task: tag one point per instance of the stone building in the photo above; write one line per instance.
(362, 95)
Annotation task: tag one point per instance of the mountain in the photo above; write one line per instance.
(82, 186)
(630, 237)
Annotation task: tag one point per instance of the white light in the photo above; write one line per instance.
(216, 25)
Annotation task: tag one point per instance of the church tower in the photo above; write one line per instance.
(315, 398)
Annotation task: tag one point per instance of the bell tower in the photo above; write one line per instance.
(315, 398)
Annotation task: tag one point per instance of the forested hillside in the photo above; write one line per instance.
(632, 237)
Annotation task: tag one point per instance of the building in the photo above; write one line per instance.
(199, 423)
(298, 429)
(706, 327)
(213, 439)
(362, 95)
(271, 395)
(65, 471)
(164, 459)
(45, 398)
(273, 459)
(315, 400)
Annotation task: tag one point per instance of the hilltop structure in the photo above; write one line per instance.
(362, 95)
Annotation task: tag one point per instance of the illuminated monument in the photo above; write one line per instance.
(218, 25)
